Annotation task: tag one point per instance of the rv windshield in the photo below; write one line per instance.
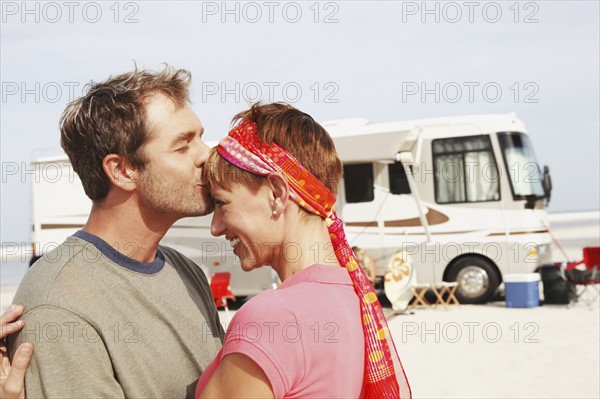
(522, 166)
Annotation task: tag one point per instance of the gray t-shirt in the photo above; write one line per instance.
(105, 325)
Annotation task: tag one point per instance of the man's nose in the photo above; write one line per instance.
(202, 154)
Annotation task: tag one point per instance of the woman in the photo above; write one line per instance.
(322, 332)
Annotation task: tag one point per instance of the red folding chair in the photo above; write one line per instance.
(221, 292)
(583, 277)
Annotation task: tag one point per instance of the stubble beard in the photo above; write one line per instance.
(163, 197)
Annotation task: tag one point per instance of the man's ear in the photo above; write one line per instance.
(280, 191)
(120, 172)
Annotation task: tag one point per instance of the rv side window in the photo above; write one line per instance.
(358, 182)
(398, 180)
(465, 170)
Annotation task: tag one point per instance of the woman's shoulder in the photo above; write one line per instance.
(267, 303)
(320, 287)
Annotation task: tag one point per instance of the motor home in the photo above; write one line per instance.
(463, 197)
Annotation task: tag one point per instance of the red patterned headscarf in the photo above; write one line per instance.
(384, 375)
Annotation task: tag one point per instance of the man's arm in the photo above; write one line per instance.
(238, 376)
(70, 358)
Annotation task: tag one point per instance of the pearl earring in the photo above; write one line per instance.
(274, 213)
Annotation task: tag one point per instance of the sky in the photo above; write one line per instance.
(383, 61)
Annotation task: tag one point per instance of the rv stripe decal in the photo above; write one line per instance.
(433, 217)
(61, 226)
(513, 233)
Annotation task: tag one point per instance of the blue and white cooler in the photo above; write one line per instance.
(522, 290)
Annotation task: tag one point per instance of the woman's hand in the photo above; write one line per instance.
(12, 378)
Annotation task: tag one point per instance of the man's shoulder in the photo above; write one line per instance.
(69, 262)
(181, 261)
(174, 255)
(72, 249)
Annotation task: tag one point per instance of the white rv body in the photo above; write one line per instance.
(447, 240)
(476, 239)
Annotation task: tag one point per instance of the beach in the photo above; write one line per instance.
(489, 351)
(492, 351)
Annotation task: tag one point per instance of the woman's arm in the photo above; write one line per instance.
(238, 376)
(12, 378)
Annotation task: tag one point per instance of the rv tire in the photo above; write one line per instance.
(477, 279)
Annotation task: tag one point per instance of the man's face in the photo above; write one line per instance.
(171, 181)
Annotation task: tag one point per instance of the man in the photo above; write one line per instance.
(111, 313)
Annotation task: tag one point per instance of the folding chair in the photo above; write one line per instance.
(444, 288)
(419, 291)
(581, 279)
(221, 292)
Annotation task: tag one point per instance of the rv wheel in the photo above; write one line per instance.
(476, 277)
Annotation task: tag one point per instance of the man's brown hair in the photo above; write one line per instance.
(292, 129)
(111, 119)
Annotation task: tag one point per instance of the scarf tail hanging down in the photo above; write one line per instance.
(384, 375)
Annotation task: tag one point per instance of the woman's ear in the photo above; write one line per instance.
(280, 192)
(120, 172)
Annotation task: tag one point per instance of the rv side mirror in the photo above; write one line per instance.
(547, 182)
(530, 201)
